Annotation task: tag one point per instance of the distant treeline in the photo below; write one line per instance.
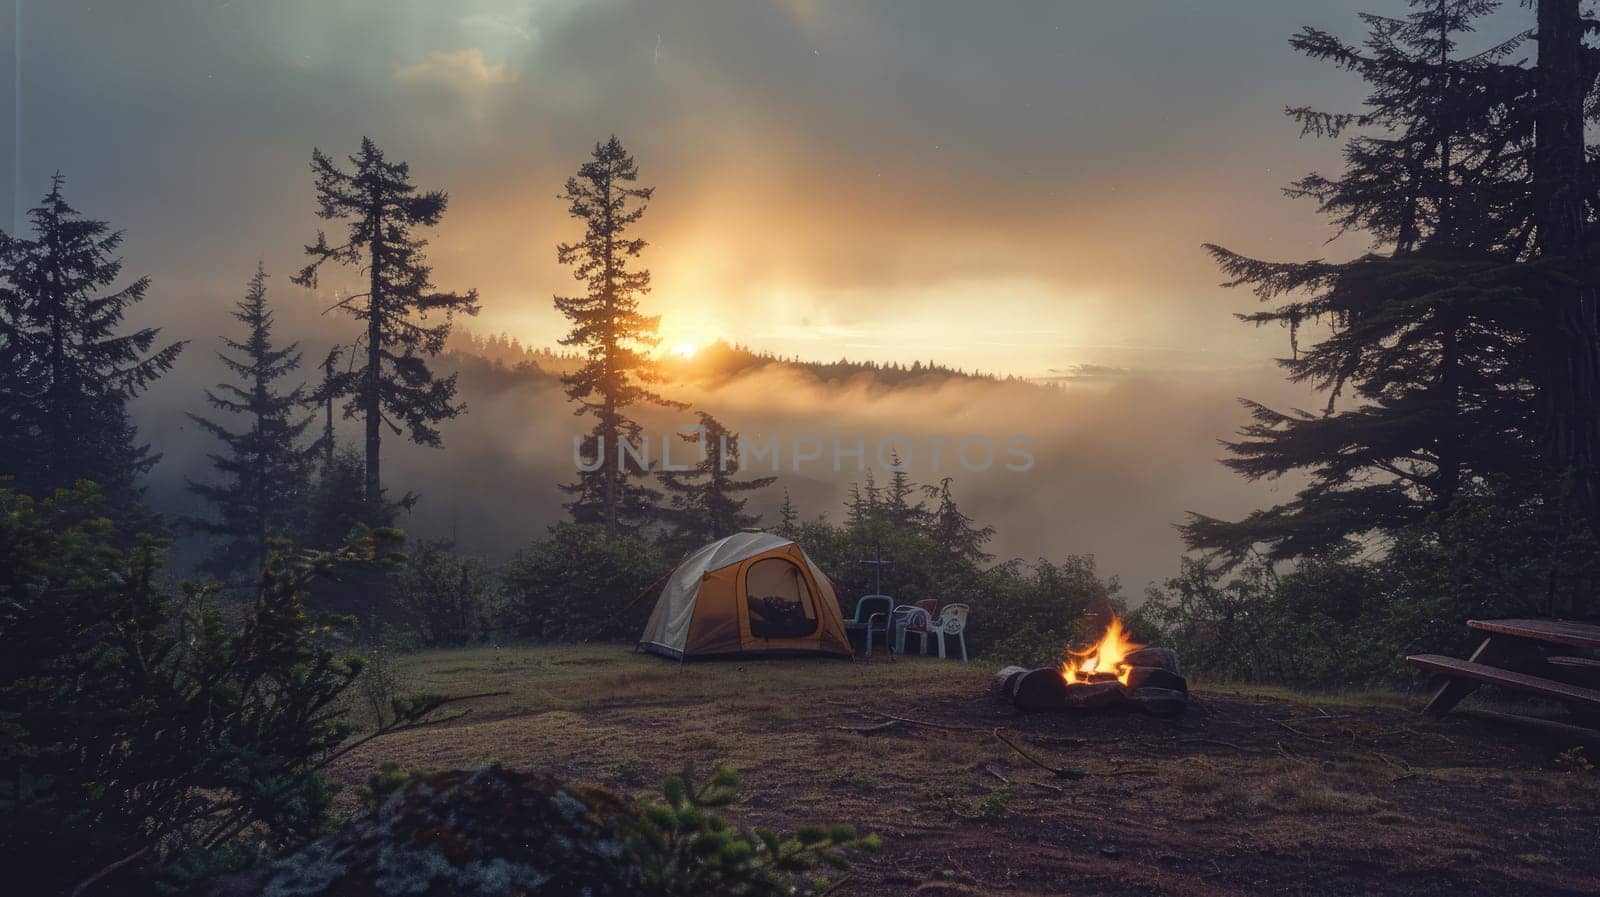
(721, 359)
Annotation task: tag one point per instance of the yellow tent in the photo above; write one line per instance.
(750, 593)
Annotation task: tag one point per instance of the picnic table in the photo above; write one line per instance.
(1515, 654)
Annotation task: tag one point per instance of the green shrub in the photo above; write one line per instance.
(138, 720)
(1027, 646)
(443, 598)
(1347, 618)
(1024, 607)
(576, 584)
(685, 848)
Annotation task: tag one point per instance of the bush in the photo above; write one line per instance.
(444, 598)
(1016, 607)
(577, 584)
(498, 831)
(1024, 608)
(139, 725)
(1348, 618)
(1027, 646)
(685, 848)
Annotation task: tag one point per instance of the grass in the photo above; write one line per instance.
(1357, 795)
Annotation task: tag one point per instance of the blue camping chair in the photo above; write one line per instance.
(872, 616)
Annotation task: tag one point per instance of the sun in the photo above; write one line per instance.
(685, 349)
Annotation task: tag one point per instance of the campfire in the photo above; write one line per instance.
(1114, 672)
(1105, 661)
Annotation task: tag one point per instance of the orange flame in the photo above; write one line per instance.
(1104, 659)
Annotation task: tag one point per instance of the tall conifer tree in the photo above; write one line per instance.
(392, 386)
(705, 499)
(1422, 330)
(266, 466)
(1564, 194)
(71, 368)
(615, 337)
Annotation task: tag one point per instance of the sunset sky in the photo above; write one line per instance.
(1018, 187)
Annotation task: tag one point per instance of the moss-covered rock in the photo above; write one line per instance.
(493, 832)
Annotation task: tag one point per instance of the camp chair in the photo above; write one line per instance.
(952, 622)
(872, 615)
(914, 619)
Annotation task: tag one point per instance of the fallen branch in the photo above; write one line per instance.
(996, 773)
(1060, 772)
(92, 880)
(1314, 719)
(1285, 726)
(888, 726)
(1142, 771)
(833, 887)
(1216, 741)
(917, 722)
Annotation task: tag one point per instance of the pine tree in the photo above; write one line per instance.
(705, 502)
(615, 337)
(70, 370)
(1564, 194)
(326, 396)
(266, 469)
(337, 505)
(393, 386)
(855, 507)
(898, 507)
(1423, 329)
(788, 518)
(958, 537)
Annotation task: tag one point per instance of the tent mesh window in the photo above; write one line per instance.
(779, 602)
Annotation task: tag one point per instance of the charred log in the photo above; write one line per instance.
(1156, 677)
(1153, 686)
(1159, 701)
(1160, 658)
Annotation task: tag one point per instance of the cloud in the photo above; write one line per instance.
(1077, 372)
(463, 70)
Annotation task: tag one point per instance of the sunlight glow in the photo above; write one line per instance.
(685, 349)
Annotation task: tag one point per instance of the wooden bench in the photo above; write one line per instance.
(1509, 657)
(1576, 670)
(1555, 632)
(1484, 673)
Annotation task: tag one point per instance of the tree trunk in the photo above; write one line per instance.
(374, 377)
(615, 472)
(1572, 366)
(327, 429)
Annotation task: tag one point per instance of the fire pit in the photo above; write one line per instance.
(1113, 673)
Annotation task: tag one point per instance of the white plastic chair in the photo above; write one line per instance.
(952, 622)
(906, 616)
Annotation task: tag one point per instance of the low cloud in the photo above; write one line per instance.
(463, 70)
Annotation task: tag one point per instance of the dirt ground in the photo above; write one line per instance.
(1247, 793)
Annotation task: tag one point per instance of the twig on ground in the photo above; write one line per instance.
(1314, 719)
(1060, 772)
(1283, 725)
(1216, 741)
(923, 723)
(888, 726)
(1399, 764)
(833, 887)
(90, 882)
(996, 773)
